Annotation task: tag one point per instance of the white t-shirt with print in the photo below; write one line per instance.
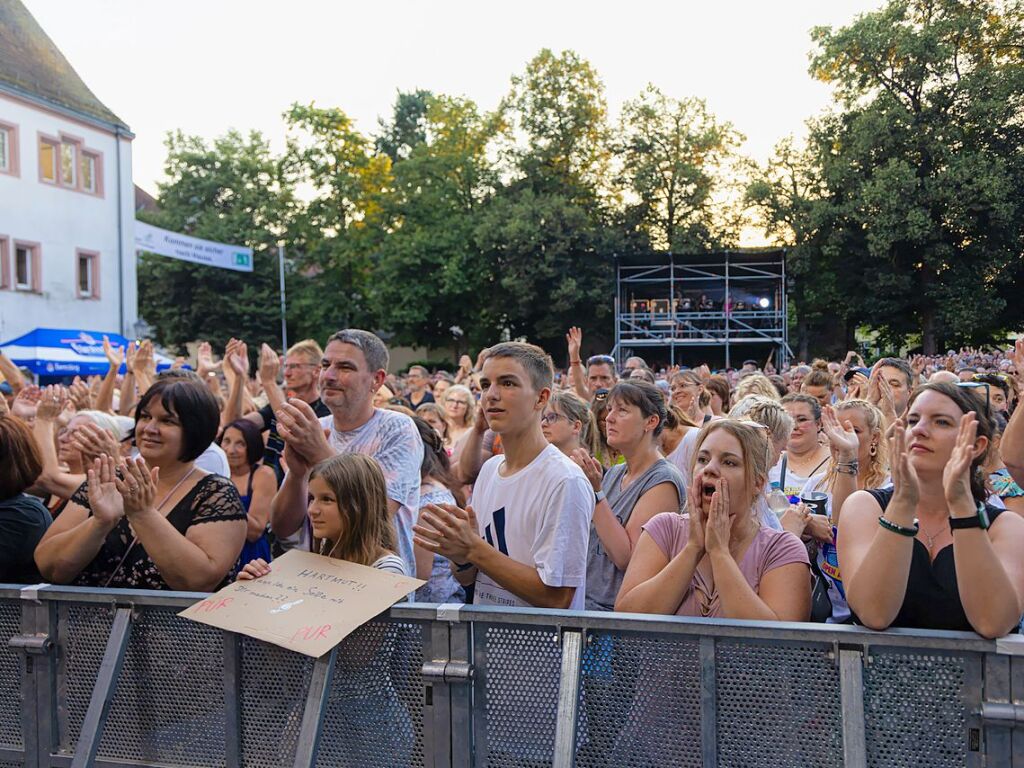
(394, 441)
(540, 516)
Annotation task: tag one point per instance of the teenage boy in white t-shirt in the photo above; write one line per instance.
(524, 540)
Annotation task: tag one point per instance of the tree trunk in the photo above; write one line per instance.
(928, 340)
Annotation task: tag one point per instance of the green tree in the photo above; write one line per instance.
(921, 156)
(334, 240)
(407, 128)
(544, 235)
(431, 284)
(677, 160)
(232, 192)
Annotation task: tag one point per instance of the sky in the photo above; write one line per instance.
(206, 66)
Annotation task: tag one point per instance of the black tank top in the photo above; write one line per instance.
(932, 600)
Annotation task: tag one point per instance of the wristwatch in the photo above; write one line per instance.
(978, 521)
(599, 496)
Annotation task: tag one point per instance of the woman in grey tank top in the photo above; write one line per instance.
(629, 494)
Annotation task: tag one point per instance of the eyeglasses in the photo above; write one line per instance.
(596, 359)
(976, 385)
(452, 401)
(551, 417)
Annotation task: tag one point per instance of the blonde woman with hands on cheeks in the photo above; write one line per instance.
(929, 553)
(718, 560)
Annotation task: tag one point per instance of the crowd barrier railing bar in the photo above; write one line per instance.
(113, 678)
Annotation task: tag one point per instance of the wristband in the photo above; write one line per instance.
(599, 496)
(575, 362)
(460, 567)
(980, 520)
(848, 467)
(902, 530)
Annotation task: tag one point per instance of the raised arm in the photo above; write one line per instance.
(10, 373)
(989, 570)
(843, 441)
(620, 540)
(875, 561)
(472, 456)
(236, 359)
(577, 373)
(656, 584)
(105, 398)
(305, 446)
(1012, 445)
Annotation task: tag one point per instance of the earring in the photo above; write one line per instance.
(874, 449)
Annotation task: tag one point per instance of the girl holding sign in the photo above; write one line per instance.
(348, 511)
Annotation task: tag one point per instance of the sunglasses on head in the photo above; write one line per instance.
(595, 359)
(974, 386)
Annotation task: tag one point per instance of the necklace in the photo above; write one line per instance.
(931, 537)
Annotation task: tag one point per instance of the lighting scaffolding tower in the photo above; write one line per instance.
(678, 306)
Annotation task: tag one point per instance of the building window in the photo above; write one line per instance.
(26, 267)
(48, 160)
(5, 263)
(68, 155)
(88, 172)
(8, 149)
(66, 162)
(88, 274)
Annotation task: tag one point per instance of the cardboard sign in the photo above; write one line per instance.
(307, 603)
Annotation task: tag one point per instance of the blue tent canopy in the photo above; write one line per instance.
(59, 352)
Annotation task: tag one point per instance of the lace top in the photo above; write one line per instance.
(211, 500)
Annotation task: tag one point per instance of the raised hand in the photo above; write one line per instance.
(956, 475)
(92, 441)
(841, 437)
(114, 356)
(590, 466)
(53, 401)
(449, 531)
(145, 362)
(301, 429)
(574, 338)
(716, 533)
(105, 502)
(857, 386)
(137, 486)
(695, 535)
(237, 356)
(204, 360)
(270, 366)
(81, 396)
(129, 356)
(904, 478)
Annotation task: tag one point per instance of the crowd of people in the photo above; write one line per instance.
(883, 495)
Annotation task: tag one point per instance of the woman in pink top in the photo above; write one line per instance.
(719, 561)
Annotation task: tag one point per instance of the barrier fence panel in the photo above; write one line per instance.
(438, 686)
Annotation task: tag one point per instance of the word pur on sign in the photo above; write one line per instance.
(307, 603)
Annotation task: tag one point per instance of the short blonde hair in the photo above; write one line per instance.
(307, 348)
(756, 384)
(461, 389)
(768, 412)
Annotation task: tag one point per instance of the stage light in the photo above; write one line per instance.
(763, 303)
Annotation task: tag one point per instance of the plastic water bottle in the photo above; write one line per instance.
(778, 502)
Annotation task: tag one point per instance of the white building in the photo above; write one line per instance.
(67, 256)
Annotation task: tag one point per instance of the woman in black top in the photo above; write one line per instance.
(929, 552)
(170, 527)
(23, 518)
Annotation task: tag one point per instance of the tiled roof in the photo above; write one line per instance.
(32, 64)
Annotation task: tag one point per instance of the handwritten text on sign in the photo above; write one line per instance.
(307, 603)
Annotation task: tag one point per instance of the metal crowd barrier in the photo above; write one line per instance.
(114, 678)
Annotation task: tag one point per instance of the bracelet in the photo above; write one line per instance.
(848, 467)
(575, 362)
(462, 566)
(599, 496)
(902, 530)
